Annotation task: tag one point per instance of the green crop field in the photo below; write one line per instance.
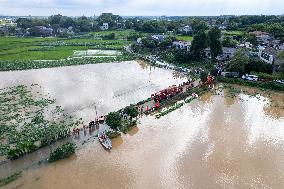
(14, 48)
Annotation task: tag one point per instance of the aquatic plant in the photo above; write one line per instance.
(6, 65)
(10, 178)
(65, 151)
(25, 123)
(113, 134)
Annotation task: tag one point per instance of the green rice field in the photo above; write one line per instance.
(14, 48)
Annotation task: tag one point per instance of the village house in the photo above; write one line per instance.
(270, 56)
(105, 26)
(68, 30)
(159, 38)
(227, 54)
(186, 30)
(139, 41)
(247, 45)
(183, 45)
(262, 37)
(44, 30)
(211, 22)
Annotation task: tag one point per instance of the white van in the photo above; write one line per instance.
(250, 77)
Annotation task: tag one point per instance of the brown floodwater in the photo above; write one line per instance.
(106, 87)
(214, 142)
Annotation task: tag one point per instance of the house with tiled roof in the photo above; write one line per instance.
(183, 45)
(270, 56)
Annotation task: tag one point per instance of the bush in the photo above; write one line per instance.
(113, 134)
(258, 66)
(203, 76)
(114, 120)
(263, 85)
(131, 111)
(110, 36)
(65, 151)
(9, 179)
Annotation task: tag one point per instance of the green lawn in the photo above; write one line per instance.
(184, 38)
(14, 48)
(236, 32)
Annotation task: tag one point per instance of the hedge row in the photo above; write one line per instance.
(65, 151)
(29, 64)
(263, 85)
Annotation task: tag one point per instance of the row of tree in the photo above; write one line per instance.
(78, 24)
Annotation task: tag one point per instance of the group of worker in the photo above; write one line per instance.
(171, 92)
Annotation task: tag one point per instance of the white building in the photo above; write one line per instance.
(268, 58)
(184, 45)
(159, 38)
(105, 26)
(186, 29)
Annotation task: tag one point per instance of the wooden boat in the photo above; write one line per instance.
(105, 141)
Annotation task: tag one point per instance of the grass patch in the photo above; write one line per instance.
(184, 38)
(10, 179)
(14, 48)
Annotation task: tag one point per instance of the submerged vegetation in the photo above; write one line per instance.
(65, 151)
(29, 121)
(10, 179)
(30, 64)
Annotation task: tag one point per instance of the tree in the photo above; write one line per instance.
(214, 36)
(199, 26)
(252, 39)
(259, 67)
(229, 42)
(199, 43)
(239, 61)
(24, 23)
(149, 43)
(203, 76)
(281, 56)
(114, 120)
(110, 36)
(131, 111)
(276, 29)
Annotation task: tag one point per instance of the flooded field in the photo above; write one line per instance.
(214, 142)
(106, 87)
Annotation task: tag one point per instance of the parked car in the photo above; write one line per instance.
(279, 81)
(250, 77)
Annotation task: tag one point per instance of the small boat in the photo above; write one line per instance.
(105, 141)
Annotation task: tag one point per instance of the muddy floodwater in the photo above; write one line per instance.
(81, 90)
(216, 141)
